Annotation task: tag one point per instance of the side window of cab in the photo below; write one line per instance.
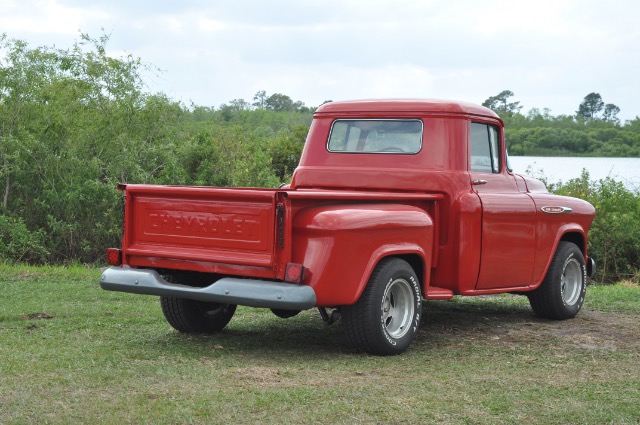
(484, 140)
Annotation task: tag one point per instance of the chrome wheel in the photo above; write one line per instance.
(398, 308)
(571, 284)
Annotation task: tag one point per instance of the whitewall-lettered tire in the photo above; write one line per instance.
(561, 294)
(386, 318)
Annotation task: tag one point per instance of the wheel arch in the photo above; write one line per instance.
(415, 257)
(580, 240)
(568, 233)
(417, 264)
(576, 238)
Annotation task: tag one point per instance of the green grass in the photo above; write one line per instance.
(73, 353)
(615, 298)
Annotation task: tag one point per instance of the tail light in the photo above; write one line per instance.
(294, 273)
(114, 256)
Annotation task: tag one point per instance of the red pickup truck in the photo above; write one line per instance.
(393, 202)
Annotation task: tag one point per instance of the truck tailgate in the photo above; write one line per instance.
(217, 228)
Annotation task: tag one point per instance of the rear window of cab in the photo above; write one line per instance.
(383, 136)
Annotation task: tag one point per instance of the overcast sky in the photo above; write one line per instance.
(549, 53)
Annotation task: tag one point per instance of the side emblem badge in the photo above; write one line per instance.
(556, 210)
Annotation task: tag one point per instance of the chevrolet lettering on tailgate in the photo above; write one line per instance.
(200, 224)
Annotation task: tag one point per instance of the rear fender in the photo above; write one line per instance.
(398, 250)
(340, 245)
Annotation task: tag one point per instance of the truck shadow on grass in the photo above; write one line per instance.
(496, 321)
(257, 332)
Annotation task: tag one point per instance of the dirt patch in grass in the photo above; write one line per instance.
(38, 316)
(259, 376)
(516, 326)
(596, 330)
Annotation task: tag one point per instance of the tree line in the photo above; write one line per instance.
(76, 122)
(594, 130)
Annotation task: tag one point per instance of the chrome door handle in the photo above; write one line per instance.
(479, 181)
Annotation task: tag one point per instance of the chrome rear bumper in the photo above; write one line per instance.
(228, 290)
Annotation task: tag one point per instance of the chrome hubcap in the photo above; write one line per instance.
(571, 284)
(398, 308)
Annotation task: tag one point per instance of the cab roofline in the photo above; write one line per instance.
(418, 106)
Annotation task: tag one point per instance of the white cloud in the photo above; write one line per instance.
(45, 16)
(550, 53)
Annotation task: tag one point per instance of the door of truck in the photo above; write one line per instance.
(508, 215)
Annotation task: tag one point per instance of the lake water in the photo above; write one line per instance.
(626, 170)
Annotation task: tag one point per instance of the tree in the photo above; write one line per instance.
(500, 104)
(610, 113)
(260, 100)
(24, 73)
(279, 102)
(285, 151)
(299, 106)
(238, 105)
(590, 106)
(73, 123)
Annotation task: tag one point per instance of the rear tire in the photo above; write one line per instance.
(386, 318)
(190, 316)
(561, 294)
(284, 314)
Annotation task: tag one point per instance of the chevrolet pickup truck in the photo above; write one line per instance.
(394, 202)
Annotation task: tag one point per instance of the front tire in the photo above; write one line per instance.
(561, 294)
(386, 318)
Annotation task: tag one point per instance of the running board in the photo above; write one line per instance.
(435, 293)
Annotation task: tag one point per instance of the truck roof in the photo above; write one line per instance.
(404, 106)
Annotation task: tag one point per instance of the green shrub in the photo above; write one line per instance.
(18, 244)
(614, 239)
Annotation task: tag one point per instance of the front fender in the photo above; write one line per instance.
(553, 227)
(340, 245)
(546, 252)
